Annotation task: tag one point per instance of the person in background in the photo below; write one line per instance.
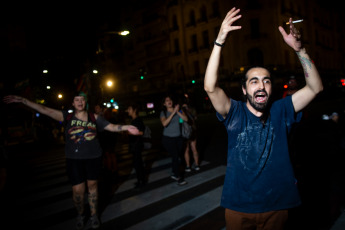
(108, 140)
(99, 109)
(292, 86)
(136, 145)
(191, 142)
(172, 140)
(82, 148)
(259, 186)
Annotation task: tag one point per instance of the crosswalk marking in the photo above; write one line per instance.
(136, 202)
(152, 177)
(141, 200)
(116, 209)
(192, 209)
(63, 205)
(48, 194)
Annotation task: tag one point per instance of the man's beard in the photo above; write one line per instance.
(261, 107)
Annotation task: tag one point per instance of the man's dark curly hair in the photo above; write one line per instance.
(244, 76)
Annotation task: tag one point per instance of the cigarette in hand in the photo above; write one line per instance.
(297, 21)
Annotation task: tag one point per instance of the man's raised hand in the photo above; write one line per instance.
(293, 39)
(227, 26)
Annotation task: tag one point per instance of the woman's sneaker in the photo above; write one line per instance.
(94, 221)
(188, 169)
(80, 222)
(197, 168)
(181, 182)
(174, 177)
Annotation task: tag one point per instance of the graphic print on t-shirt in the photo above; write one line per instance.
(82, 131)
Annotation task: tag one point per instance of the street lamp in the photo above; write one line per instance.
(109, 83)
(122, 33)
(100, 41)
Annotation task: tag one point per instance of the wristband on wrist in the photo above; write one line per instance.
(218, 44)
(119, 127)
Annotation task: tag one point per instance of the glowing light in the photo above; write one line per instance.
(124, 33)
(109, 83)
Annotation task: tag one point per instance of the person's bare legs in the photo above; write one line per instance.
(78, 197)
(93, 202)
(78, 200)
(195, 152)
(93, 196)
(186, 155)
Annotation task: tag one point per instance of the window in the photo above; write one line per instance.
(194, 43)
(176, 47)
(205, 38)
(254, 28)
(174, 22)
(192, 18)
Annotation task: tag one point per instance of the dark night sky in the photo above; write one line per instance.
(62, 34)
(59, 37)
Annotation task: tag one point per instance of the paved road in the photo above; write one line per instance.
(40, 195)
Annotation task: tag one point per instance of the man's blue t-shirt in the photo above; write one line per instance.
(259, 175)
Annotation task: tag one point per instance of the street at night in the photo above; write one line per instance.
(71, 74)
(39, 191)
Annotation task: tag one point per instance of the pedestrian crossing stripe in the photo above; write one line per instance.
(49, 196)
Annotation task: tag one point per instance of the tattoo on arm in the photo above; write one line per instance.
(306, 62)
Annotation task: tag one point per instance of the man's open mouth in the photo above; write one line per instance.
(260, 97)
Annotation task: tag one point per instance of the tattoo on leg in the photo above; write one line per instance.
(306, 62)
(78, 203)
(93, 202)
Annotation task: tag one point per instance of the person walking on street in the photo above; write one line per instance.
(172, 140)
(191, 141)
(259, 185)
(136, 145)
(108, 141)
(82, 149)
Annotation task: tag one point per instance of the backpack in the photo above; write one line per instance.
(186, 130)
(147, 139)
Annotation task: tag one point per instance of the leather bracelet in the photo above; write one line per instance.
(218, 44)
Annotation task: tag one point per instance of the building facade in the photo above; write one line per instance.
(171, 41)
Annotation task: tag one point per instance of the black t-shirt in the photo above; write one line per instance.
(137, 139)
(81, 137)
